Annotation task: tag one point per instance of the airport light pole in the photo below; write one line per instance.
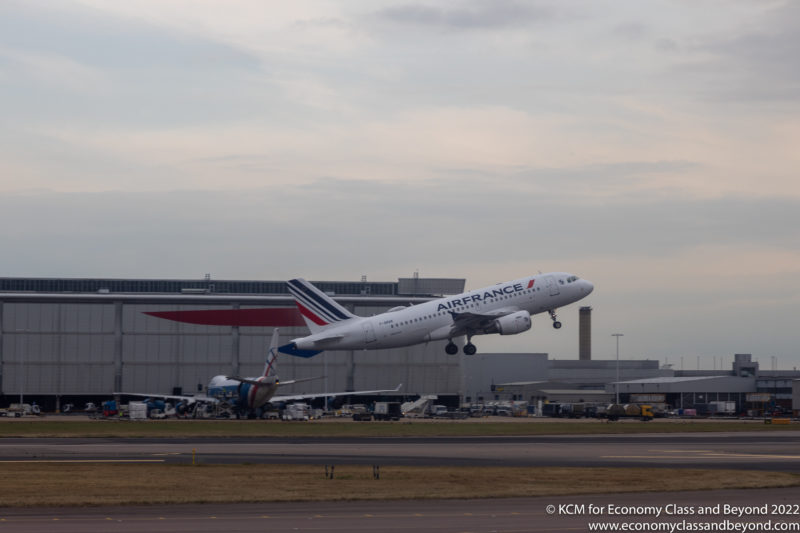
(616, 385)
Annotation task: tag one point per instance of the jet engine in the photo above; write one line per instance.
(513, 323)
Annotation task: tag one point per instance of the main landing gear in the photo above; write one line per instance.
(556, 323)
(469, 348)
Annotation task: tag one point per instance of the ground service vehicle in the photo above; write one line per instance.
(630, 410)
(387, 411)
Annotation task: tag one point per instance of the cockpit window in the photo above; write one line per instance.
(572, 279)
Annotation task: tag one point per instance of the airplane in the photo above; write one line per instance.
(248, 395)
(505, 308)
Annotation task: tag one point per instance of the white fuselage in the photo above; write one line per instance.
(243, 394)
(434, 320)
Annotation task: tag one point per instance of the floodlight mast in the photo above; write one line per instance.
(616, 385)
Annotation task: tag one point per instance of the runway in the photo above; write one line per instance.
(750, 450)
(545, 514)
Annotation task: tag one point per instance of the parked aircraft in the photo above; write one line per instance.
(248, 395)
(505, 308)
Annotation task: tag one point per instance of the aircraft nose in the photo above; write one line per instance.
(588, 286)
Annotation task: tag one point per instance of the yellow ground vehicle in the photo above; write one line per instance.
(616, 411)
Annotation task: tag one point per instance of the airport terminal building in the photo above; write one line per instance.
(65, 339)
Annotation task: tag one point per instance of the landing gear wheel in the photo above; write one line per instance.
(451, 349)
(470, 349)
(556, 323)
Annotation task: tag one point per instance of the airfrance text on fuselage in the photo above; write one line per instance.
(508, 289)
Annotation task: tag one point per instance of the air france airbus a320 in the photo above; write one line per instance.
(505, 308)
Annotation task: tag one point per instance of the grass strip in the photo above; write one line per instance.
(345, 428)
(69, 484)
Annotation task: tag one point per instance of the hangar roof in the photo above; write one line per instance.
(582, 392)
(673, 379)
(699, 384)
(404, 286)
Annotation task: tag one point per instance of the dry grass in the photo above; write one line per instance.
(114, 484)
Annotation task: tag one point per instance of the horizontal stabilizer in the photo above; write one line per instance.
(291, 349)
(251, 381)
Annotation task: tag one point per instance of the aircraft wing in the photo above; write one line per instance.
(300, 380)
(257, 383)
(249, 381)
(464, 323)
(187, 398)
(330, 394)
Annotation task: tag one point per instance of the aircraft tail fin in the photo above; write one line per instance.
(271, 366)
(319, 310)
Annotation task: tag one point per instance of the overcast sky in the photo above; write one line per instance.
(650, 147)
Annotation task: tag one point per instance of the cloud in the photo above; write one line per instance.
(632, 31)
(103, 40)
(46, 70)
(116, 70)
(380, 224)
(751, 62)
(470, 15)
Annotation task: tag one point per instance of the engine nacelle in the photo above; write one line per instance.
(513, 323)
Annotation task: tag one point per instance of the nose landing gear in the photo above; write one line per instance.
(556, 323)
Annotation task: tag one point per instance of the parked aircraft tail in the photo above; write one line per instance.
(271, 366)
(318, 309)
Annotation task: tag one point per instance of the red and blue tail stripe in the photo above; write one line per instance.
(315, 305)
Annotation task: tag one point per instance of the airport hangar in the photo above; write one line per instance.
(67, 339)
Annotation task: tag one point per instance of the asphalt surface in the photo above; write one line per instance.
(779, 451)
(545, 514)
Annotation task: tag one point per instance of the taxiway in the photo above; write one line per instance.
(750, 450)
